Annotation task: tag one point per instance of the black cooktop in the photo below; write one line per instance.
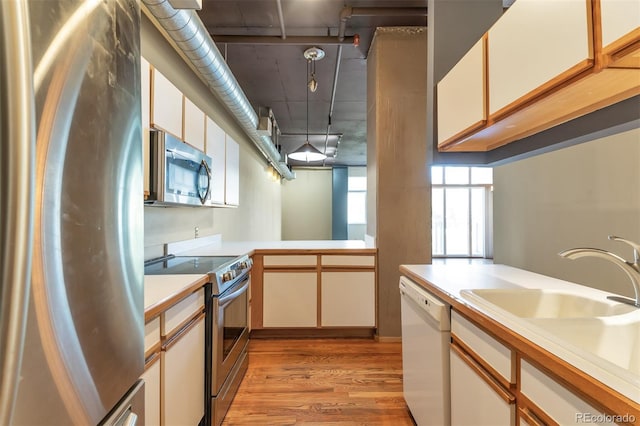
(186, 265)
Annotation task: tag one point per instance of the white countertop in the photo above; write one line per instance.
(452, 279)
(237, 248)
(159, 289)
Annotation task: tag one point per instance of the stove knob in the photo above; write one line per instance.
(243, 265)
(228, 276)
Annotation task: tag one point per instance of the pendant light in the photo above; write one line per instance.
(308, 152)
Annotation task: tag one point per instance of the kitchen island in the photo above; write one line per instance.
(321, 288)
(548, 362)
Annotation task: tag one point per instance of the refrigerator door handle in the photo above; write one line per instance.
(17, 153)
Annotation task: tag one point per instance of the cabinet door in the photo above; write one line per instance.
(555, 400)
(523, 57)
(145, 106)
(620, 23)
(166, 105)
(620, 19)
(183, 372)
(215, 149)
(232, 170)
(462, 97)
(348, 299)
(194, 125)
(290, 299)
(151, 379)
(474, 400)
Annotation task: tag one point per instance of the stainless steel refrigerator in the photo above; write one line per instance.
(71, 213)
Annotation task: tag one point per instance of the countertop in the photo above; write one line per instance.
(162, 291)
(447, 282)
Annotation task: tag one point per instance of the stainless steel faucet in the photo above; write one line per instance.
(632, 269)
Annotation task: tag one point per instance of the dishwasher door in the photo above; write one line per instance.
(425, 354)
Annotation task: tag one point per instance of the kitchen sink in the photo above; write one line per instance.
(545, 303)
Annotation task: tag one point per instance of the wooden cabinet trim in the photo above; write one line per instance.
(170, 340)
(534, 418)
(152, 353)
(347, 268)
(292, 268)
(504, 394)
(575, 379)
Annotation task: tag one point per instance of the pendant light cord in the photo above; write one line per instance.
(307, 91)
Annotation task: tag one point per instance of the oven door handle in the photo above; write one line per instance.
(225, 300)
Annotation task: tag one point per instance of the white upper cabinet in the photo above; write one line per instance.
(215, 148)
(619, 18)
(536, 44)
(194, 125)
(166, 105)
(232, 169)
(462, 97)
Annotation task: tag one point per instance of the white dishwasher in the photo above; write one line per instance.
(426, 336)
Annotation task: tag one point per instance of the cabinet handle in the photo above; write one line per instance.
(484, 375)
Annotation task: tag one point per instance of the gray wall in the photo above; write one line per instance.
(573, 197)
(306, 205)
(259, 215)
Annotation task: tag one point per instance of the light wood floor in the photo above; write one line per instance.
(321, 381)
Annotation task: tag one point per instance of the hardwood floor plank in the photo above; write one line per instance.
(321, 382)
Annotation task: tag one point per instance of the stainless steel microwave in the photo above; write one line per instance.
(180, 173)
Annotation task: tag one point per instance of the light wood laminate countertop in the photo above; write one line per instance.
(163, 291)
(596, 376)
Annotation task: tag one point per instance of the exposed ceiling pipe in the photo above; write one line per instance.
(347, 12)
(190, 35)
(290, 40)
(333, 100)
(283, 34)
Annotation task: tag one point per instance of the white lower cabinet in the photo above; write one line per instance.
(290, 299)
(183, 377)
(151, 379)
(348, 299)
(474, 400)
(557, 402)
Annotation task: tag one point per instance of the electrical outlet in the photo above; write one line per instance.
(195, 231)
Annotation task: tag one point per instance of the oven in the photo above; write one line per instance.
(229, 338)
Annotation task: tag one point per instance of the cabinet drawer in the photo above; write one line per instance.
(495, 354)
(151, 334)
(290, 260)
(555, 400)
(179, 313)
(342, 260)
(290, 299)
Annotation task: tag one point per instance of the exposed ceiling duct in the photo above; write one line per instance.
(191, 36)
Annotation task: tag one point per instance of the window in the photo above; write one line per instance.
(459, 201)
(357, 200)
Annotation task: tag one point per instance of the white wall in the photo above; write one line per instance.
(573, 197)
(306, 205)
(259, 215)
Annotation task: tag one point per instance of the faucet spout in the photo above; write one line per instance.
(631, 269)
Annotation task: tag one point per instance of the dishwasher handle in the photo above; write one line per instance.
(427, 302)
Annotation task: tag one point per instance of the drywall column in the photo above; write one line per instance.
(398, 183)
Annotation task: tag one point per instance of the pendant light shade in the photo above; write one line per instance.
(307, 152)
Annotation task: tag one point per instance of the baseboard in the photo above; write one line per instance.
(388, 339)
(298, 333)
